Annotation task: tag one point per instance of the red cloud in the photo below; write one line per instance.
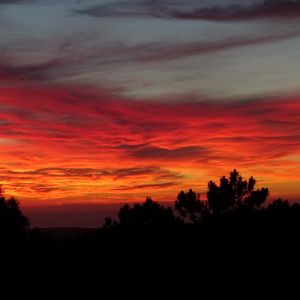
(69, 144)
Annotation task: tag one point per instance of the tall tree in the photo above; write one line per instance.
(190, 206)
(12, 220)
(234, 192)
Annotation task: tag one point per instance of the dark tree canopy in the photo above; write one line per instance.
(233, 193)
(190, 206)
(150, 213)
(12, 220)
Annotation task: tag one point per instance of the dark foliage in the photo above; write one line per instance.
(150, 213)
(233, 193)
(230, 239)
(190, 206)
(12, 221)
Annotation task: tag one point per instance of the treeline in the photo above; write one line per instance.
(233, 200)
(233, 228)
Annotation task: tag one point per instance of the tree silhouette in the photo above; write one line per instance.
(190, 206)
(279, 205)
(150, 213)
(12, 220)
(234, 193)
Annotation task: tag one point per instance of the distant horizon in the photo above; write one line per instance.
(86, 215)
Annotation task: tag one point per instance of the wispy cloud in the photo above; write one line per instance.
(160, 153)
(79, 143)
(16, 1)
(268, 9)
(30, 72)
(94, 174)
(170, 52)
(65, 67)
(69, 131)
(147, 186)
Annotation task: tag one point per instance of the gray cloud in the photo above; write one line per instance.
(268, 9)
(198, 48)
(34, 72)
(196, 11)
(18, 1)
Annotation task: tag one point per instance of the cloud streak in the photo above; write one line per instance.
(16, 1)
(31, 72)
(206, 59)
(86, 144)
(198, 48)
(268, 9)
(65, 68)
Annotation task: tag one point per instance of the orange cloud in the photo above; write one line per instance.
(68, 145)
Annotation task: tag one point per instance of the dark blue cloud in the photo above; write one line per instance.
(195, 11)
(16, 1)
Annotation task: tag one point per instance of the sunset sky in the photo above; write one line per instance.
(109, 101)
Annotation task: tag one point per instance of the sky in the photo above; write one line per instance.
(111, 101)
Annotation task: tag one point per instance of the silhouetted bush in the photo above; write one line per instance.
(12, 220)
(150, 213)
(234, 193)
(190, 206)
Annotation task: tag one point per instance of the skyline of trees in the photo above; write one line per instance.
(232, 195)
